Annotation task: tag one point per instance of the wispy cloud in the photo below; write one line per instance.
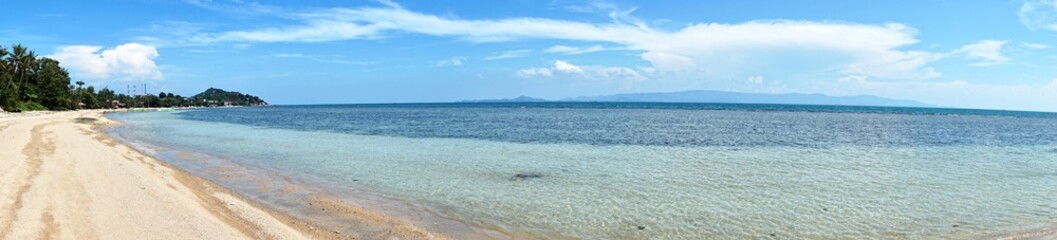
(585, 72)
(986, 52)
(1039, 14)
(288, 55)
(50, 15)
(171, 33)
(451, 62)
(562, 49)
(237, 7)
(863, 49)
(535, 72)
(200, 51)
(509, 54)
(321, 58)
(617, 14)
(1035, 46)
(755, 79)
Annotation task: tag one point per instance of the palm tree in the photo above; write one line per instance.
(4, 75)
(3, 54)
(3, 65)
(15, 59)
(80, 94)
(28, 62)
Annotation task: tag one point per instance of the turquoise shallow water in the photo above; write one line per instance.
(991, 174)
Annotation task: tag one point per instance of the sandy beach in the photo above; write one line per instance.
(61, 178)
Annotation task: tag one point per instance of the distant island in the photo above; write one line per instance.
(517, 99)
(218, 97)
(708, 96)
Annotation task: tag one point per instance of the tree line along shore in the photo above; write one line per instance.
(30, 83)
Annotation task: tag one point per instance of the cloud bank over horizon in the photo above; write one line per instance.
(386, 50)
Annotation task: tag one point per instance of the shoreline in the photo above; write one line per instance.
(64, 177)
(355, 215)
(44, 198)
(1005, 233)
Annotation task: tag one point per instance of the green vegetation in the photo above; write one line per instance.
(218, 97)
(31, 83)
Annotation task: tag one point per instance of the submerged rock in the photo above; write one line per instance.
(85, 120)
(525, 176)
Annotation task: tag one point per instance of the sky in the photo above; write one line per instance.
(992, 54)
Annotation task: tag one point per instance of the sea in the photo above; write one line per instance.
(581, 170)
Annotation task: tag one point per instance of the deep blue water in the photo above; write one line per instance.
(660, 124)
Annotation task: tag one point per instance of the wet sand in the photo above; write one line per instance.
(61, 177)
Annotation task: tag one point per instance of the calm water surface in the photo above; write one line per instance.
(654, 170)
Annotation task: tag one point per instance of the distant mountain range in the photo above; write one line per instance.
(707, 96)
(517, 99)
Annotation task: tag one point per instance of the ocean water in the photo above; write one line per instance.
(651, 170)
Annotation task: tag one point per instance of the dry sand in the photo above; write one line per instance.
(61, 178)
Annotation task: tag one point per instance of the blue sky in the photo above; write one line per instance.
(996, 54)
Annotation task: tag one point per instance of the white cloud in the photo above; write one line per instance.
(1039, 14)
(1035, 46)
(618, 73)
(873, 50)
(755, 79)
(584, 72)
(324, 58)
(130, 61)
(451, 62)
(237, 7)
(669, 62)
(535, 72)
(565, 67)
(987, 52)
(288, 55)
(201, 51)
(562, 49)
(510, 54)
(849, 48)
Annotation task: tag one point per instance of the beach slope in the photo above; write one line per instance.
(62, 178)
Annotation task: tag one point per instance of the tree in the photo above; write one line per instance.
(29, 64)
(105, 96)
(80, 95)
(54, 85)
(13, 59)
(22, 59)
(6, 73)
